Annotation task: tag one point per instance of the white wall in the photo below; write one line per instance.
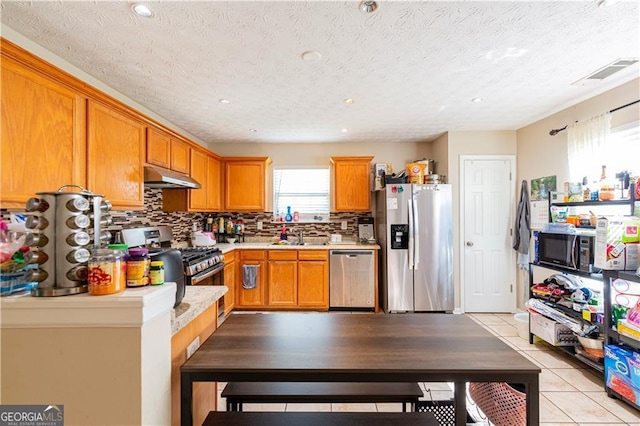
(318, 154)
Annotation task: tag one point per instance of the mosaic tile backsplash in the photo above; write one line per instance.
(182, 222)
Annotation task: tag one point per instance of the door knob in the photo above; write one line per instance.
(469, 244)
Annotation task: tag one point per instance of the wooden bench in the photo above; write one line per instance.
(235, 418)
(238, 393)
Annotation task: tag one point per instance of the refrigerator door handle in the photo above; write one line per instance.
(415, 232)
(411, 234)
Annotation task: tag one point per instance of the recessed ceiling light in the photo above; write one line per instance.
(368, 6)
(476, 100)
(311, 55)
(142, 10)
(344, 130)
(224, 101)
(349, 101)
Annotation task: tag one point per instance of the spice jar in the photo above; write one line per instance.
(138, 267)
(106, 271)
(156, 273)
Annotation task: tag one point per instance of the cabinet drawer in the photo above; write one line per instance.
(313, 254)
(253, 255)
(283, 255)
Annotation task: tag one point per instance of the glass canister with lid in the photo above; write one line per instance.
(106, 271)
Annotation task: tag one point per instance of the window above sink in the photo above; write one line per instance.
(303, 190)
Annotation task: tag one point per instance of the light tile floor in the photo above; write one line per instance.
(571, 394)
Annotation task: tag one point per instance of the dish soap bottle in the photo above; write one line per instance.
(288, 217)
(283, 233)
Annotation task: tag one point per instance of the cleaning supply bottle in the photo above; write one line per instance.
(288, 217)
(283, 233)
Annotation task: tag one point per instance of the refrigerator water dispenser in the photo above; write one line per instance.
(399, 237)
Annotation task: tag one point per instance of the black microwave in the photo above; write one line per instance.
(570, 251)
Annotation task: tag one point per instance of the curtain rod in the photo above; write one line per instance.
(554, 132)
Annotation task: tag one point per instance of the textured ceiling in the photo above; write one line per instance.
(411, 67)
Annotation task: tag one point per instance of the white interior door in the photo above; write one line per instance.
(487, 207)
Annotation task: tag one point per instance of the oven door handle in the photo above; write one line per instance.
(195, 279)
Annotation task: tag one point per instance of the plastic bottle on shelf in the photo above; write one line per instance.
(288, 217)
(607, 188)
(296, 216)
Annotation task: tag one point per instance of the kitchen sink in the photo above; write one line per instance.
(298, 244)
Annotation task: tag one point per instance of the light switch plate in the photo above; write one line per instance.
(344, 225)
(259, 225)
(193, 346)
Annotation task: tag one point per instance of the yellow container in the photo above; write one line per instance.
(416, 172)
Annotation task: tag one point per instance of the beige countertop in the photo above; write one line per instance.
(195, 301)
(226, 248)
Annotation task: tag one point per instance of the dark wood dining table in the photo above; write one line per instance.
(363, 347)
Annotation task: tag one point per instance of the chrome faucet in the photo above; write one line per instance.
(300, 237)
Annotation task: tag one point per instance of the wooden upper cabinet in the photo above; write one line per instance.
(115, 153)
(179, 156)
(213, 184)
(166, 151)
(246, 181)
(43, 142)
(205, 168)
(199, 165)
(352, 187)
(158, 148)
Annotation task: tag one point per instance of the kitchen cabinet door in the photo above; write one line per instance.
(246, 180)
(158, 148)
(255, 297)
(230, 283)
(179, 156)
(199, 165)
(283, 278)
(43, 142)
(116, 154)
(214, 188)
(352, 187)
(313, 279)
(204, 394)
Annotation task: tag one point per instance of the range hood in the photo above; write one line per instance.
(158, 177)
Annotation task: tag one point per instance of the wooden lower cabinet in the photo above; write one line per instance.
(283, 278)
(313, 279)
(289, 280)
(204, 393)
(230, 282)
(255, 297)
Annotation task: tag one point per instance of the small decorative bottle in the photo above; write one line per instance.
(288, 217)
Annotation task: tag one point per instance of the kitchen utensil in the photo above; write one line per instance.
(434, 178)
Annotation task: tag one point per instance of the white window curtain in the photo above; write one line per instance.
(584, 141)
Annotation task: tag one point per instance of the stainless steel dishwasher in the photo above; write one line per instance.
(351, 279)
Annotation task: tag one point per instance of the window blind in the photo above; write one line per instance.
(304, 190)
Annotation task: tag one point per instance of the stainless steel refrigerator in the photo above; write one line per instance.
(415, 231)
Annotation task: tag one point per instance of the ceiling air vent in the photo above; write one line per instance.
(606, 71)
